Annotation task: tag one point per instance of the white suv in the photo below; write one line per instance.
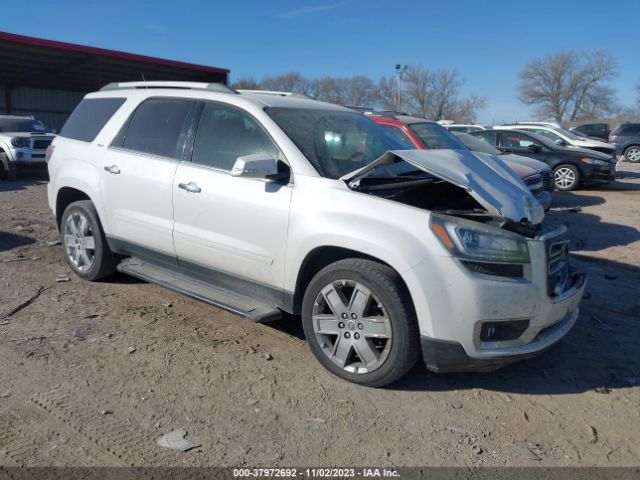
(23, 143)
(264, 203)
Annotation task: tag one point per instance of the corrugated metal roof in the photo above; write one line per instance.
(36, 62)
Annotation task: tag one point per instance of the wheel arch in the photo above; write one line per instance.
(320, 257)
(65, 197)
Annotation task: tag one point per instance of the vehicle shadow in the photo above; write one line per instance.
(583, 225)
(10, 240)
(26, 179)
(601, 353)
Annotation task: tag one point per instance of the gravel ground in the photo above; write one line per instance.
(95, 373)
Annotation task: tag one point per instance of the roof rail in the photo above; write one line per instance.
(215, 87)
(274, 92)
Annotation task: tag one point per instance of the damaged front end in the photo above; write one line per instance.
(452, 182)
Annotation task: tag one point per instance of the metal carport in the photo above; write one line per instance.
(48, 78)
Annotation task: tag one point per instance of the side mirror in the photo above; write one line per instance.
(257, 165)
(559, 141)
(534, 148)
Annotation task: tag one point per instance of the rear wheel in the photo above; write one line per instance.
(632, 154)
(359, 322)
(8, 169)
(567, 177)
(85, 245)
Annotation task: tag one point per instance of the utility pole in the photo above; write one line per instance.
(400, 69)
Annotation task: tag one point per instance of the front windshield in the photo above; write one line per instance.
(477, 145)
(336, 142)
(28, 125)
(435, 136)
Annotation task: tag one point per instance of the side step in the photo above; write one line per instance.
(233, 302)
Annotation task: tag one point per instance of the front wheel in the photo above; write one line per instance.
(359, 322)
(85, 245)
(567, 177)
(632, 154)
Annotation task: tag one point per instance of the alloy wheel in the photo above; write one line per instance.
(79, 241)
(564, 177)
(633, 154)
(352, 326)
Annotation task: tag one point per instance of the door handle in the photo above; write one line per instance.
(190, 187)
(112, 169)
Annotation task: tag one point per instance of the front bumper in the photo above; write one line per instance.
(26, 158)
(445, 356)
(455, 306)
(599, 174)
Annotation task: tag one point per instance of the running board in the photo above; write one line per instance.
(233, 302)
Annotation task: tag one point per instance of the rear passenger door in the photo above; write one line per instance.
(137, 180)
(231, 228)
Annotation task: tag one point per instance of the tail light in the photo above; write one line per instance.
(612, 138)
(49, 152)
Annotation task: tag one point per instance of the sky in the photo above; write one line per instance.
(487, 42)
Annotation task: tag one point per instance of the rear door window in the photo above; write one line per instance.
(158, 127)
(489, 137)
(89, 117)
(399, 134)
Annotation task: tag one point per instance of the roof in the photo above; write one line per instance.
(36, 62)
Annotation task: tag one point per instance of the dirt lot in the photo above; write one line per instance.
(95, 373)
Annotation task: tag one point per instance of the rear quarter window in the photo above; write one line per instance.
(89, 117)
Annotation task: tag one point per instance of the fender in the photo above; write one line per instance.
(81, 175)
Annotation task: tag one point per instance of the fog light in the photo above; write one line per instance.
(502, 331)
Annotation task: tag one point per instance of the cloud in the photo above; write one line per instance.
(306, 11)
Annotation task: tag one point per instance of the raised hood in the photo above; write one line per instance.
(487, 179)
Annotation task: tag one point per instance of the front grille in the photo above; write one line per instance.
(548, 182)
(557, 265)
(497, 269)
(41, 144)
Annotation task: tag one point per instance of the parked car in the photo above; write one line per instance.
(23, 144)
(597, 130)
(572, 167)
(263, 203)
(535, 174)
(423, 134)
(626, 138)
(464, 128)
(563, 137)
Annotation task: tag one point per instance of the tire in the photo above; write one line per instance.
(83, 239)
(566, 177)
(8, 169)
(632, 154)
(388, 340)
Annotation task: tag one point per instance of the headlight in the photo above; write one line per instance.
(594, 161)
(469, 240)
(20, 142)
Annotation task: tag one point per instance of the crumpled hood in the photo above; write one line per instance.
(487, 179)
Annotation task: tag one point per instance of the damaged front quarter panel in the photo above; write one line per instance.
(487, 179)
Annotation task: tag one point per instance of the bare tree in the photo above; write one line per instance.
(245, 83)
(289, 82)
(386, 93)
(418, 89)
(435, 95)
(568, 85)
(359, 91)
